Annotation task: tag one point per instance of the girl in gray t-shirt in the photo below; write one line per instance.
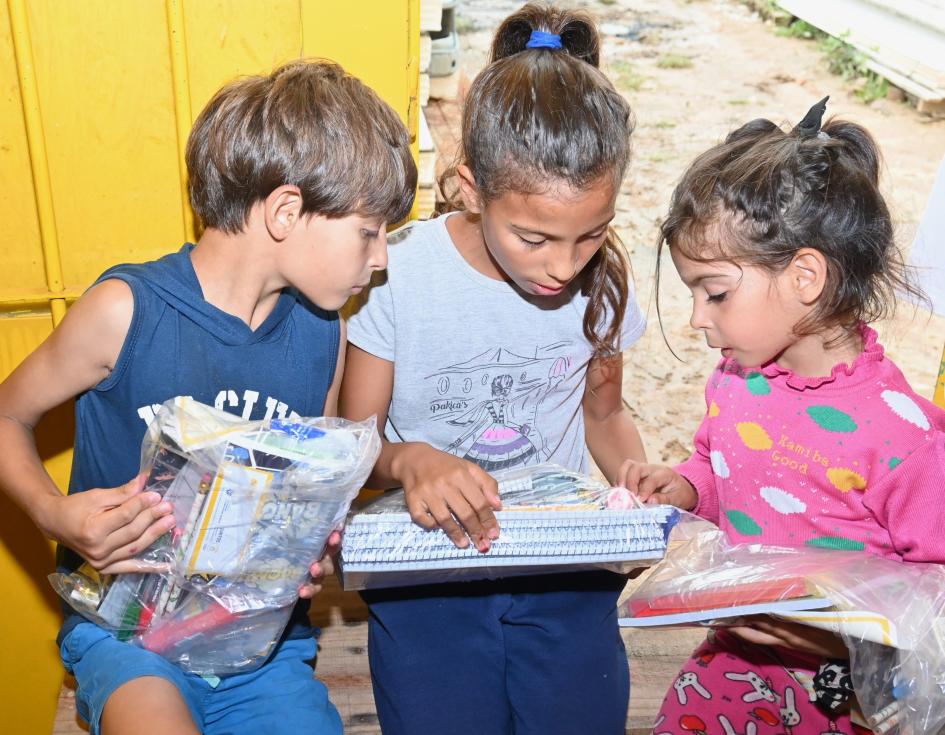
(495, 341)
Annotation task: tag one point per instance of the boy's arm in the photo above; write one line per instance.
(439, 487)
(331, 398)
(325, 566)
(104, 526)
(611, 434)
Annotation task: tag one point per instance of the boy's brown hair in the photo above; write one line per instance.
(309, 124)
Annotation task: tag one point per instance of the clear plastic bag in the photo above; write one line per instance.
(890, 614)
(552, 520)
(254, 504)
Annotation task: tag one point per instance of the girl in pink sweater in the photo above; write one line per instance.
(812, 436)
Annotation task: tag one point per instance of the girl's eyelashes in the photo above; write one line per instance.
(370, 234)
(715, 298)
(531, 243)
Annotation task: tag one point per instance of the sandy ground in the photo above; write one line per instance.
(737, 68)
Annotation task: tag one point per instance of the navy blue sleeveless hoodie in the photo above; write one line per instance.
(178, 344)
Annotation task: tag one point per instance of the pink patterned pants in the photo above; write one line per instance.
(730, 687)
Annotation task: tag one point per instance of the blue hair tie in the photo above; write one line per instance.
(540, 39)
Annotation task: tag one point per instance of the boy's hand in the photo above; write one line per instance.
(655, 483)
(441, 489)
(323, 567)
(108, 527)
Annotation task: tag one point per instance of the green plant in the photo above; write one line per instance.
(843, 59)
(673, 61)
(626, 76)
(799, 29)
(664, 124)
(873, 88)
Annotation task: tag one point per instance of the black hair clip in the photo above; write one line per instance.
(810, 125)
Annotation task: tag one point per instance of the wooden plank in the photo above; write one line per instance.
(907, 38)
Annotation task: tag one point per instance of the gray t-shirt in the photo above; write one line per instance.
(481, 370)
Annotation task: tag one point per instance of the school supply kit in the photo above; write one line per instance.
(254, 504)
(552, 520)
(890, 614)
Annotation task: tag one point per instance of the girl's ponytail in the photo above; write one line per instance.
(578, 33)
(606, 284)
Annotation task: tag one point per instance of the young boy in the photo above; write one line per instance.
(294, 177)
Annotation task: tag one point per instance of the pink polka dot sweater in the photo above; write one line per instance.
(853, 460)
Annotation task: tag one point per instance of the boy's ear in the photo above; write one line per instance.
(808, 274)
(282, 210)
(468, 189)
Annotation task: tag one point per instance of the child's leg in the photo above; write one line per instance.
(734, 688)
(567, 665)
(282, 697)
(148, 705)
(438, 660)
(122, 688)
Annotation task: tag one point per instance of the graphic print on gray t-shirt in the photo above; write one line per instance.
(495, 401)
(480, 369)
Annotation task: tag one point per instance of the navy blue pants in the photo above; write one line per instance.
(531, 655)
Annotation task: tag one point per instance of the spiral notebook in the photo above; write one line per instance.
(389, 549)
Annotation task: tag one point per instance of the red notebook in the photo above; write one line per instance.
(747, 593)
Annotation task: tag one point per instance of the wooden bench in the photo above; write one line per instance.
(655, 657)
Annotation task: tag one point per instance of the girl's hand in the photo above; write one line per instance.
(655, 483)
(765, 631)
(322, 568)
(109, 527)
(442, 489)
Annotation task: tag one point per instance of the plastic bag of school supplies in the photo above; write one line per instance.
(890, 614)
(254, 504)
(552, 520)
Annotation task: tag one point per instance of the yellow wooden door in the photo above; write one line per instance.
(97, 100)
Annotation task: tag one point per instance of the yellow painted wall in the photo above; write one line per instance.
(96, 98)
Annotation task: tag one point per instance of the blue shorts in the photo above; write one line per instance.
(282, 696)
(534, 655)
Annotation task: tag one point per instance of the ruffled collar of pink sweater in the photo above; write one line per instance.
(842, 373)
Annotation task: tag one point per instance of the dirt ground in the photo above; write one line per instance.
(693, 70)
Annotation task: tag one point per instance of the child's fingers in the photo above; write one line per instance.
(652, 479)
(308, 591)
(133, 566)
(321, 568)
(752, 635)
(143, 530)
(482, 501)
(333, 545)
(465, 510)
(420, 513)
(626, 475)
(444, 519)
(128, 507)
(131, 549)
(488, 485)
